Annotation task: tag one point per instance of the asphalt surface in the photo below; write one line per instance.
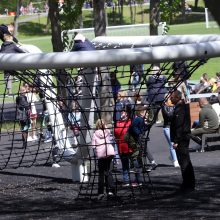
(43, 192)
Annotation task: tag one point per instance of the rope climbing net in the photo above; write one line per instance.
(68, 93)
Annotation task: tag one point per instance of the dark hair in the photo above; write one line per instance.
(178, 94)
(213, 99)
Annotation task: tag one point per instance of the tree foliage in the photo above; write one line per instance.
(70, 15)
(10, 5)
(169, 9)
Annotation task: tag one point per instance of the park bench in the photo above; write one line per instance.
(211, 141)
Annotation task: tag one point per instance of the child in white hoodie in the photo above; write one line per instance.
(104, 151)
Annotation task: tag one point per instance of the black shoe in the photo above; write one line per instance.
(184, 190)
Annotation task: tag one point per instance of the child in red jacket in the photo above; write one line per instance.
(124, 151)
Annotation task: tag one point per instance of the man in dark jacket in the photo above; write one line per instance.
(179, 132)
(156, 91)
(81, 43)
(8, 46)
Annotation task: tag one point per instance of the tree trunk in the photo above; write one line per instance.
(122, 11)
(154, 17)
(196, 4)
(131, 12)
(99, 17)
(183, 6)
(61, 75)
(18, 5)
(135, 12)
(55, 26)
(213, 7)
(142, 13)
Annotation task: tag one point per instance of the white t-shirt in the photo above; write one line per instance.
(31, 98)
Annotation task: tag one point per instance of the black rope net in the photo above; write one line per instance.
(62, 110)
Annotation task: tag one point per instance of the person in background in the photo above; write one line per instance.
(23, 109)
(104, 151)
(116, 85)
(167, 112)
(179, 134)
(217, 76)
(120, 130)
(208, 121)
(74, 118)
(32, 98)
(8, 46)
(134, 80)
(181, 75)
(120, 104)
(203, 85)
(156, 91)
(81, 43)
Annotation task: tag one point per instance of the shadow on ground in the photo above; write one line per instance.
(41, 197)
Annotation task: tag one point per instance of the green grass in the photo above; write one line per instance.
(32, 32)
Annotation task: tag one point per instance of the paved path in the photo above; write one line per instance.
(42, 192)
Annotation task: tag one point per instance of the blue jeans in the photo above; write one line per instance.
(172, 150)
(125, 167)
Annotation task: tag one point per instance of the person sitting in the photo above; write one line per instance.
(203, 85)
(208, 121)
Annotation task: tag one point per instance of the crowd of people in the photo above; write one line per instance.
(134, 115)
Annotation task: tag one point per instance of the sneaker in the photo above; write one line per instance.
(29, 139)
(55, 165)
(176, 164)
(110, 194)
(134, 184)
(126, 185)
(35, 138)
(151, 167)
(48, 140)
(100, 196)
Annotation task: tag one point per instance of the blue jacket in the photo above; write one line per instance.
(156, 89)
(137, 127)
(83, 46)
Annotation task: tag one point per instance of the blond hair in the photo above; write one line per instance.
(100, 124)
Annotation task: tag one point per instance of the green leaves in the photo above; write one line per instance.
(70, 14)
(169, 9)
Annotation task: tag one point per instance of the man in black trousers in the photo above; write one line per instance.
(179, 132)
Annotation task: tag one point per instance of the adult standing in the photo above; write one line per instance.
(8, 46)
(156, 91)
(167, 113)
(179, 132)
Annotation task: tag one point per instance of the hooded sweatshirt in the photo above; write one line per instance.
(10, 47)
(101, 142)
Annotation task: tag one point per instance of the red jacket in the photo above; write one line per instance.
(120, 130)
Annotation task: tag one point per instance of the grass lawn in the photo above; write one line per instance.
(32, 32)
(44, 43)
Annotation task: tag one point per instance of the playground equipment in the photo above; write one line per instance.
(55, 74)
